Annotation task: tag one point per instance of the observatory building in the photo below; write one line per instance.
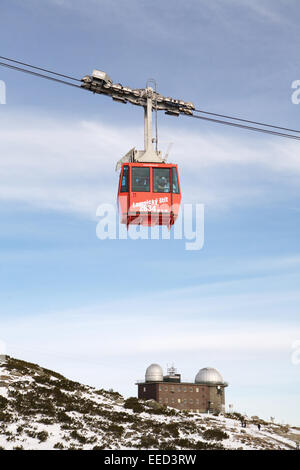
(206, 393)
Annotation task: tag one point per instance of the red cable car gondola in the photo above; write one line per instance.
(149, 190)
(149, 194)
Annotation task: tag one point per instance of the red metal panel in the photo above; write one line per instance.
(148, 207)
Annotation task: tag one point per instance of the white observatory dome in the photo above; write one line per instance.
(154, 373)
(209, 376)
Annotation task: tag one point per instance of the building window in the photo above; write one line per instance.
(191, 401)
(172, 388)
(160, 388)
(191, 389)
(178, 389)
(173, 400)
(197, 389)
(184, 401)
(179, 401)
(197, 402)
(145, 389)
(166, 388)
(184, 389)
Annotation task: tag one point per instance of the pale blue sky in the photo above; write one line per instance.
(102, 311)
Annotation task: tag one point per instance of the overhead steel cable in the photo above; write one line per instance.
(104, 90)
(39, 68)
(250, 128)
(19, 69)
(247, 120)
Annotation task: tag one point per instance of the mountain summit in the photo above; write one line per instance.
(40, 409)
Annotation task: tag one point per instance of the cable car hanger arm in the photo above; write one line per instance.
(99, 82)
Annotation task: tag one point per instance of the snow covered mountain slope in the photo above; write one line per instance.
(40, 409)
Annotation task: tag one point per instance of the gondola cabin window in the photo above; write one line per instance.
(140, 179)
(175, 185)
(124, 183)
(161, 180)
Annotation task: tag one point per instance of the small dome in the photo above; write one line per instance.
(209, 375)
(154, 373)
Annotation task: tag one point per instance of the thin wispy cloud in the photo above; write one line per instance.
(263, 8)
(69, 166)
(93, 332)
(268, 11)
(135, 17)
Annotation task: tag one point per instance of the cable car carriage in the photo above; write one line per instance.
(149, 194)
(149, 190)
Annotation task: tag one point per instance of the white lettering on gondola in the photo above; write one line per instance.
(152, 205)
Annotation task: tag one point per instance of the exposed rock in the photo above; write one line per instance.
(153, 404)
